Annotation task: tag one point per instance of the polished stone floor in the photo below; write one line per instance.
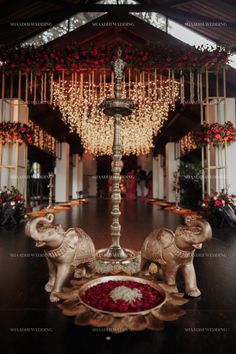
(30, 324)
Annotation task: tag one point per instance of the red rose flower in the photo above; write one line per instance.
(207, 197)
(76, 55)
(218, 136)
(94, 52)
(218, 203)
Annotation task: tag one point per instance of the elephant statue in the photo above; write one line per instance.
(175, 251)
(66, 252)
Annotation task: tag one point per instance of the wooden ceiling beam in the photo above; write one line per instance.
(174, 14)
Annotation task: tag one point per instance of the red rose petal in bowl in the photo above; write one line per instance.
(121, 295)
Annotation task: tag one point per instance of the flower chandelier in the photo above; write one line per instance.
(79, 103)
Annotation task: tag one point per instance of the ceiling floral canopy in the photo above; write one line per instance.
(74, 57)
(78, 78)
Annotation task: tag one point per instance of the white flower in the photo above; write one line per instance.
(126, 294)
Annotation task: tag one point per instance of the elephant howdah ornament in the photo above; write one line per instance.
(66, 252)
(175, 251)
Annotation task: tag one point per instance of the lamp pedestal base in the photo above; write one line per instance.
(129, 265)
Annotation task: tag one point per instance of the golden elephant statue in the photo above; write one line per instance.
(66, 252)
(175, 251)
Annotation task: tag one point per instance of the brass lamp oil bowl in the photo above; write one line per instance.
(153, 318)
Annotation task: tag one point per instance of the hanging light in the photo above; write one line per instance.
(79, 103)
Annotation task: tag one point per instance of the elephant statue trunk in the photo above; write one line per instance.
(192, 235)
(175, 251)
(66, 252)
(33, 230)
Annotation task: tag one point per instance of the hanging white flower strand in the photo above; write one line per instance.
(79, 104)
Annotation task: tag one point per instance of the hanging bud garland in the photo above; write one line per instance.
(215, 134)
(74, 58)
(12, 132)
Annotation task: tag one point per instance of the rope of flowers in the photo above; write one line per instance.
(12, 132)
(215, 134)
(74, 57)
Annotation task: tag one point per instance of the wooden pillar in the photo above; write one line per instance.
(13, 156)
(62, 174)
(77, 176)
(171, 167)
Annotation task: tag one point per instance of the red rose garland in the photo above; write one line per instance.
(99, 297)
(12, 132)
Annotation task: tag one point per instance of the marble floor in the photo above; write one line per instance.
(30, 324)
